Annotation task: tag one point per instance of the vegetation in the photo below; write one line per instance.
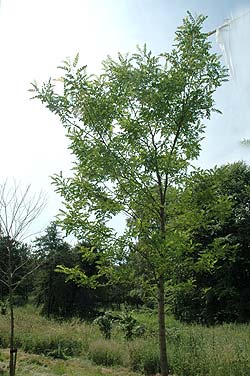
(18, 209)
(220, 268)
(58, 296)
(110, 303)
(134, 130)
(221, 196)
(74, 346)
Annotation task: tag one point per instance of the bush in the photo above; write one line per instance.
(106, 353)
(105, 324)
(129, 325)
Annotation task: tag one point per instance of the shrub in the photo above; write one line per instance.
(105, 324)
(129, 325)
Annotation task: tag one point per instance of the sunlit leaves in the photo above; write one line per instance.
(134, 130)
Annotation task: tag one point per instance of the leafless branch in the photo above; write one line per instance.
(18, 209)
(4, 282)
(25, 276)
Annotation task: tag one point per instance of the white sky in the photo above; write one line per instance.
(36, 35)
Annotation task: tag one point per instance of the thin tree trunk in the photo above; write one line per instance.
(13, 351)
(161, 298)
(49, 308)
(162, 329)
(12, 363)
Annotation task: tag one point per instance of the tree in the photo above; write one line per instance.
(134, 131)
(56, 292)
(50, 288)
(18, 209)
(221, 261)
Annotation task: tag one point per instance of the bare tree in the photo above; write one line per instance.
(18, 209)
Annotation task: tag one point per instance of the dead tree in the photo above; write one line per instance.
(18, 209)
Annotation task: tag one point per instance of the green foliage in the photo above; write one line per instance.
(59, 295)
(105, 324)
(129, 325)
(59, 353)
(22, 263)
(219, 264)
(134, 131)
(31, 365)
(143, 116)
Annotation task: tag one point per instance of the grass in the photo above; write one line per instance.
(36, 334)
(77, 348)
(39, 365)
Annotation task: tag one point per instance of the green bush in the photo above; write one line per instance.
(105, 324)
(129, 325)
(106, 353)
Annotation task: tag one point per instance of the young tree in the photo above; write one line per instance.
(18, 209)
(134, 130)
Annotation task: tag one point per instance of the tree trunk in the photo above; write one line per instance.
(162, 329)
(49, 307)
(13, 351)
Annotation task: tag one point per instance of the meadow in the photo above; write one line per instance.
(50, 347)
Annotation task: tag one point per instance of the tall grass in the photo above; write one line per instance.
(36, 334)
(193, 350)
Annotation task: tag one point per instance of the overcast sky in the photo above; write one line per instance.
(36, 35)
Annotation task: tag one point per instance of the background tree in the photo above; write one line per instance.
(21, 255)
(50, 288)
(134, 130)
(18, 209)
(221, 260)
(58, 295)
